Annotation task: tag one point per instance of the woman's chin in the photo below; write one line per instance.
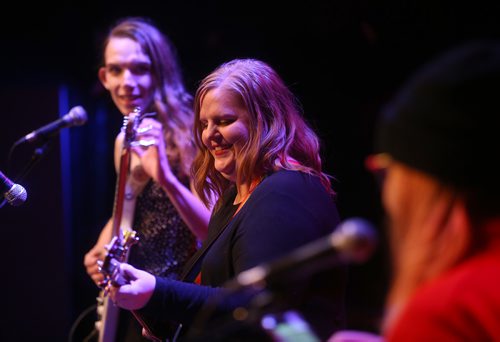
(227, 173)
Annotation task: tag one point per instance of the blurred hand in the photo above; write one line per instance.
(90, 263)
(355, 336)
(137, 293)
(150, 147)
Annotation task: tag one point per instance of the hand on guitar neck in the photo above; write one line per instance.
(114, 269)
(133, 279)
(117, 251)
(118, 274)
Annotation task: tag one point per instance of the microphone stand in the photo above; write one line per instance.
(38, 154)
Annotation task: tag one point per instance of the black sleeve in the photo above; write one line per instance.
(176, 305)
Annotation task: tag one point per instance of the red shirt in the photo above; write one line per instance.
(461, 305)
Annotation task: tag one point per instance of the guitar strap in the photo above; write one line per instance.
(220, 221)
(193, 267)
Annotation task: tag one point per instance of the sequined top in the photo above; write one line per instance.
(165, 241)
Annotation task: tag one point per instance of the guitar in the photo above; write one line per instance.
(117, 250)
(123, 238)
(122, 234)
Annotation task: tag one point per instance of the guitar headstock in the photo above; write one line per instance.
(130, 124)
(117, 251)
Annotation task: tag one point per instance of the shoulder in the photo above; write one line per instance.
(285, 179)
(474, 278)
(119, 141)
(287, 194)
(460, 301)
(293, 184)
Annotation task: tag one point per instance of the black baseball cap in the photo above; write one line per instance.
(445, 121)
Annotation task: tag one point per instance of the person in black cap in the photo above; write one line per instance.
(438, 144)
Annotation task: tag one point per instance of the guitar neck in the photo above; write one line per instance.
(107, 312)
(120, 190)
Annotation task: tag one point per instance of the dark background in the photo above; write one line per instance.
(343, 60)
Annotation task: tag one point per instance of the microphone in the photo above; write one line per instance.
(77, 116)
(353, 241)
(14, 193)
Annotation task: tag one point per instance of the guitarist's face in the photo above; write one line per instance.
(127, 75)
(225, 129)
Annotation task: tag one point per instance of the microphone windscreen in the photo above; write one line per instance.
(77, 116)
(16, 195)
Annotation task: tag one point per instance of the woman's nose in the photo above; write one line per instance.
(128, 78)
(212, 131)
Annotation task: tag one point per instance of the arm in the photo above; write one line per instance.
(161, 298)
(155, 163)
(355, 336)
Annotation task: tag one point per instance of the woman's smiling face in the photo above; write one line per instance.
(225, 129)
(127, 75)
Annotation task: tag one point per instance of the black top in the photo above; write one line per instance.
(285, 211)
(288, 209)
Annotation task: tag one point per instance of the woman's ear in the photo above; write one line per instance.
(101, 74)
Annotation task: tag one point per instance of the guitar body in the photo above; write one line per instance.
(108, 315)
(107, 312)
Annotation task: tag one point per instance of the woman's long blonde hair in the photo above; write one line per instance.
(277, 129)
